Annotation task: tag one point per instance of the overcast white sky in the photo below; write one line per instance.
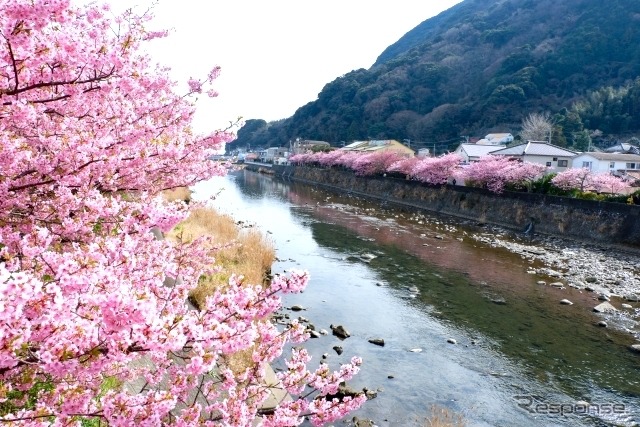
(275, 55)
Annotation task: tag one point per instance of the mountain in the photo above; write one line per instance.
(482, 66)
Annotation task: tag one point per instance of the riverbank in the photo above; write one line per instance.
(587, 220)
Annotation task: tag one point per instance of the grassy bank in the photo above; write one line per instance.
(240, 251)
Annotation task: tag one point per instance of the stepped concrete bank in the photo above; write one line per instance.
(596, 222)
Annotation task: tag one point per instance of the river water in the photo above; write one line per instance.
(520, 357)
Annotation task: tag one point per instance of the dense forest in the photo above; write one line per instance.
(480, 67)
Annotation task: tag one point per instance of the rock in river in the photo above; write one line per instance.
(377, 341)
(605, 307)
(340, 331)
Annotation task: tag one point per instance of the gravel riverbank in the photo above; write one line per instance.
(612, 274)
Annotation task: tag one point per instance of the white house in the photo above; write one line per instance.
(473, 152)
(555, 158)
(272, 153)
(616, 163)
(496, 139)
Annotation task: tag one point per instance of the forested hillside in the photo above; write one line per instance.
(483, 66)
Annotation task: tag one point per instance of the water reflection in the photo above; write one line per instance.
(513, 338)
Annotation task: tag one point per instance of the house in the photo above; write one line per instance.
(272, 153)
(556, 158)
(496, 139)
(251, 157)
(379, 145)
(424, 152)
(300, 146)
(473, 152)
(616, 163)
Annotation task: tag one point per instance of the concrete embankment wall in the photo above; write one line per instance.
(590, 221)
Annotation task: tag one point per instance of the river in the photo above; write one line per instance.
(519, 358)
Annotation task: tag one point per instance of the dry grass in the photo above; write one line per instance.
(444, 417)
(238, 251)
(180, 193)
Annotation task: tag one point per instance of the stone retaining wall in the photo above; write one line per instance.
(592, 221)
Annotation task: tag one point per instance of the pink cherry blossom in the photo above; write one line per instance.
(93, 312)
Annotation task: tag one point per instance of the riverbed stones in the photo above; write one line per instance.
(339, 331)
(602, 324)
(605, 307)
(452, 341)
(565, 302)
(635, 348)
(338, 349)
(556, 285)
(377, 341)
(632, 297)
(297, 308)
(368, 257)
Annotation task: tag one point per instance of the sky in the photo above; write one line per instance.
(276, 56)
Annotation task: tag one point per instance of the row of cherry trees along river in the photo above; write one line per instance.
(495, 173)
(91, 133)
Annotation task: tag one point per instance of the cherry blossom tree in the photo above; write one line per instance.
(573, 179)
(494, 172)
(374, 163)
(404, 166)
(94, 323)
(436, 170)
(347, 159)
(331, 158)
(608, 183)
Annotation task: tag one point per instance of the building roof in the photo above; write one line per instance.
(613, 156)
(377, 145)
(477, 150)
(497, 135)
(623, 147)
(306, 142)
(535, 148)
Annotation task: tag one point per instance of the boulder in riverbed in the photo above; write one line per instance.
(377, 341)
(605, 307)
(340, 331)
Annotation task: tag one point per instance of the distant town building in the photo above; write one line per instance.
(615, 163)
(623, 148)
(424, 152)
(496, 139)
(300, 146)
(473, 152)
(554, 157)
(379, 145)
(271, 154)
